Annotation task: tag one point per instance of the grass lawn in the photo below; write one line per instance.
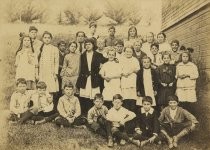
(50, 137)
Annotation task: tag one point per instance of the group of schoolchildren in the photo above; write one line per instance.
(125, 90)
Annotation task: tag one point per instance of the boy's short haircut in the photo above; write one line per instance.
(69, 85)
(117, 96)
(33, 28)
(21, 80)
(173, 98)
(119, 42)
(146, 57)
(93, 23)
(147, 99)
(98, 96)
(175, 41)
(111, 27)
(80, 32)
(62, 42)
(155, 44)
(41, 85)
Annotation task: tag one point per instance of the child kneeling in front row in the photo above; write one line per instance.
(97, 119)
(69, 109)
(175, 122)
(118, 116)
(147, 124)
(42, 105)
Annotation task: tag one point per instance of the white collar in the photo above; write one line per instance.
(150, 111)
(171, 110)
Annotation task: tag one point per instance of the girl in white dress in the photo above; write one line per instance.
(26, 62)
(186, 74)
(49, 63)
(130, 66)
(111, 73)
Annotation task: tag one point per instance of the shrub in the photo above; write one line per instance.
(115, 11)
(72, 17)
(25, 11)
(91, 14)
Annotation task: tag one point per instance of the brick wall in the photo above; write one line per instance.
(189, 22)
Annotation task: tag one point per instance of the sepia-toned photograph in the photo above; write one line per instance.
(104, 74)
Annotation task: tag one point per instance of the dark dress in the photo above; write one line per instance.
(166, 74)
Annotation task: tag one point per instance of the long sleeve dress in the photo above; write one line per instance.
(112, 70)
(128, 84)
(48, 67)
(26, 63)
(186, 88)
(166, 74)
(70, 69)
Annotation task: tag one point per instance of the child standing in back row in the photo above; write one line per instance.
(70, 70)
(166, 81)
(156, 58)
(111, 40)
(111, 73)
(130, 66)
(175, 53)
(147, 82)
(26, 62)
(186, 74)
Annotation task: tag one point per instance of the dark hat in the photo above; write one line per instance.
(92, 23)
(93, 41)
(32, 28)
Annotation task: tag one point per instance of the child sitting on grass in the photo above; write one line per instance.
(147, 124)
(42, 105)
(97, 119)
(118, 117)
(175, 122)
(69, 109)
(19, 104)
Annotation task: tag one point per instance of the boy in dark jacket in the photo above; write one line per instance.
(147, 124)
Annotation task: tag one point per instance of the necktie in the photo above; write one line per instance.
(80, 47)
(155, 59)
